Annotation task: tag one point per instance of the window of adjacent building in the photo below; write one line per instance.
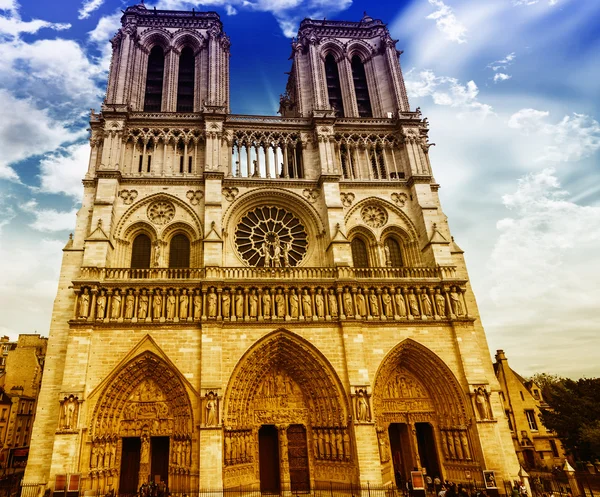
(536, 394)
(554, 448)
(510, 424)
(140, 252)
(522, 396)
(179, 251)
(3, 418)
(393, 252)
(530, 415)
(361, 89)
(360, 256)
(185, 83)
(334, 89)
(154, 80)
(541, 455)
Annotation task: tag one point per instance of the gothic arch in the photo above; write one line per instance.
(368, 237)
(188, 38)
(360, 48)
(334, 47)
(155, 36)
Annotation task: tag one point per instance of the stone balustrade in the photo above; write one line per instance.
(115, 302)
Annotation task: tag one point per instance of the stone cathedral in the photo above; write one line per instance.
(262, 302)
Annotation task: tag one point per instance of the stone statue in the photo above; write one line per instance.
(383, 446)
(361, 305)
(211, 410)
(171, 301)
(157, 303)
(386, 298)
(266, 304)
(440, 302)
(388, 255)
(129, 305)
(197, 306)
(276, 261)
(293, 303)
(84, 304)
(157, 253)
(183, 304)
(458, 447)
(451, 445)
(145, 449)
(239, 304)
(320, 303)
(346, 441)
(286, 248)
(69, 406)
(212, 303)
(400, 304)
(265, 251)
(280, 304)
(481, 401)
(339, 444)
(115, 311)
(426, 303)
(362, 407)
(374, 304)
(465, 445)
(101, 305)
(226, 304)
(143, 305)
(457, 307)
(333, 305)
(306, 304)
(413, 304)
(348, 307)
(253, 304)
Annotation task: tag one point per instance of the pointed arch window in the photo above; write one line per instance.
(154, 80)
(179, 251)
(141, 252)
(360, 257)
(334, 89)
(393, 253)
(361, 89)
(185, 82)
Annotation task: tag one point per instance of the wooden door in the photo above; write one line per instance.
(159, 468)
(130, 466)
(298, 458)
(268, 456)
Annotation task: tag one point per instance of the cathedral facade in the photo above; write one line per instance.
(262, 302)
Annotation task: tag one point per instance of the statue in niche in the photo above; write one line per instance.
(362, 407)
(293, 303)
(388, 255)
(157, 253)
(212, 303)
(413, 304)
(266, 303)
(84, 304)
(458, 447)
(457, 307)
(321, 444)
(197, 305)
(384, 445)
(346, 442)
(227, 448)
(333, 305)
(183, 304)
(171, 301)
(465, 445)
(226, 304)
(211, 410)
(129, 304)
(339, 444)
(320, 303)
(374, 304)
(94, 457)
(280, 304)
(386, 299)
(239, 304)
(157, 304)
(253, 304)
(440, 302)
(143, 305)
(426, 303)
(116, 305)
(101, 305)
(348, 307)
(482, 403)
(306, 304)
(69, 412)
(361, 305)
(286, 248)
(400, 304)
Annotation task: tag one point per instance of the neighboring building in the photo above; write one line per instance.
(262, 301)
(19, 388)
(536, 447)
(6, 345)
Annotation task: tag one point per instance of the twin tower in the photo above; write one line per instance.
(261, 302)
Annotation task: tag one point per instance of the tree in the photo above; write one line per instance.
(573, 412)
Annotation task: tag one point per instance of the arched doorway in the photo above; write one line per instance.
(141, 428)
(284, 402)
(422, 417)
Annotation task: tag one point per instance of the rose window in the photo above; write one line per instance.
(271, 236)
(161, 212)
(374, 216)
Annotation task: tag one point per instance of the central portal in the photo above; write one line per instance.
(268, 448)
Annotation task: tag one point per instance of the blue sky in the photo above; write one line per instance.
(511, 90)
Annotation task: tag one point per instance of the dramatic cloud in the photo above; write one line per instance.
(11, 24)
(88, 7)
(62, 171)
(49, 220)
(447, 22)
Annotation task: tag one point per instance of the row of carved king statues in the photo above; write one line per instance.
(307, 303)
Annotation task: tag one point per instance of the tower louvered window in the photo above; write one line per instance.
(179, 251)
(154, 80)
(140, 252)
(185, 83)
(360, 256)
(334, 89)
(360, 88)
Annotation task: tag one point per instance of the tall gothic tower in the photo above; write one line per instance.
(262, 302)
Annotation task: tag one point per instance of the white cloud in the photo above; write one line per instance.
(231, 11)
(502, 63)
(88, 7)
(62, 171)
(574, 138)
(447, 22)
(500, 76)
(532, 2)
(49, 220)
(11, 24)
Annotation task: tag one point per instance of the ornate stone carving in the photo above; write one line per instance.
(374, 215)
(161, 212)
(211, 408)
(271, 236)
(400, 198)
(128, 196)
(363, 412)
(230, 193)
(311, 194)
(347, 199)
(69, 413)
(482, 403)
(194, 196)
